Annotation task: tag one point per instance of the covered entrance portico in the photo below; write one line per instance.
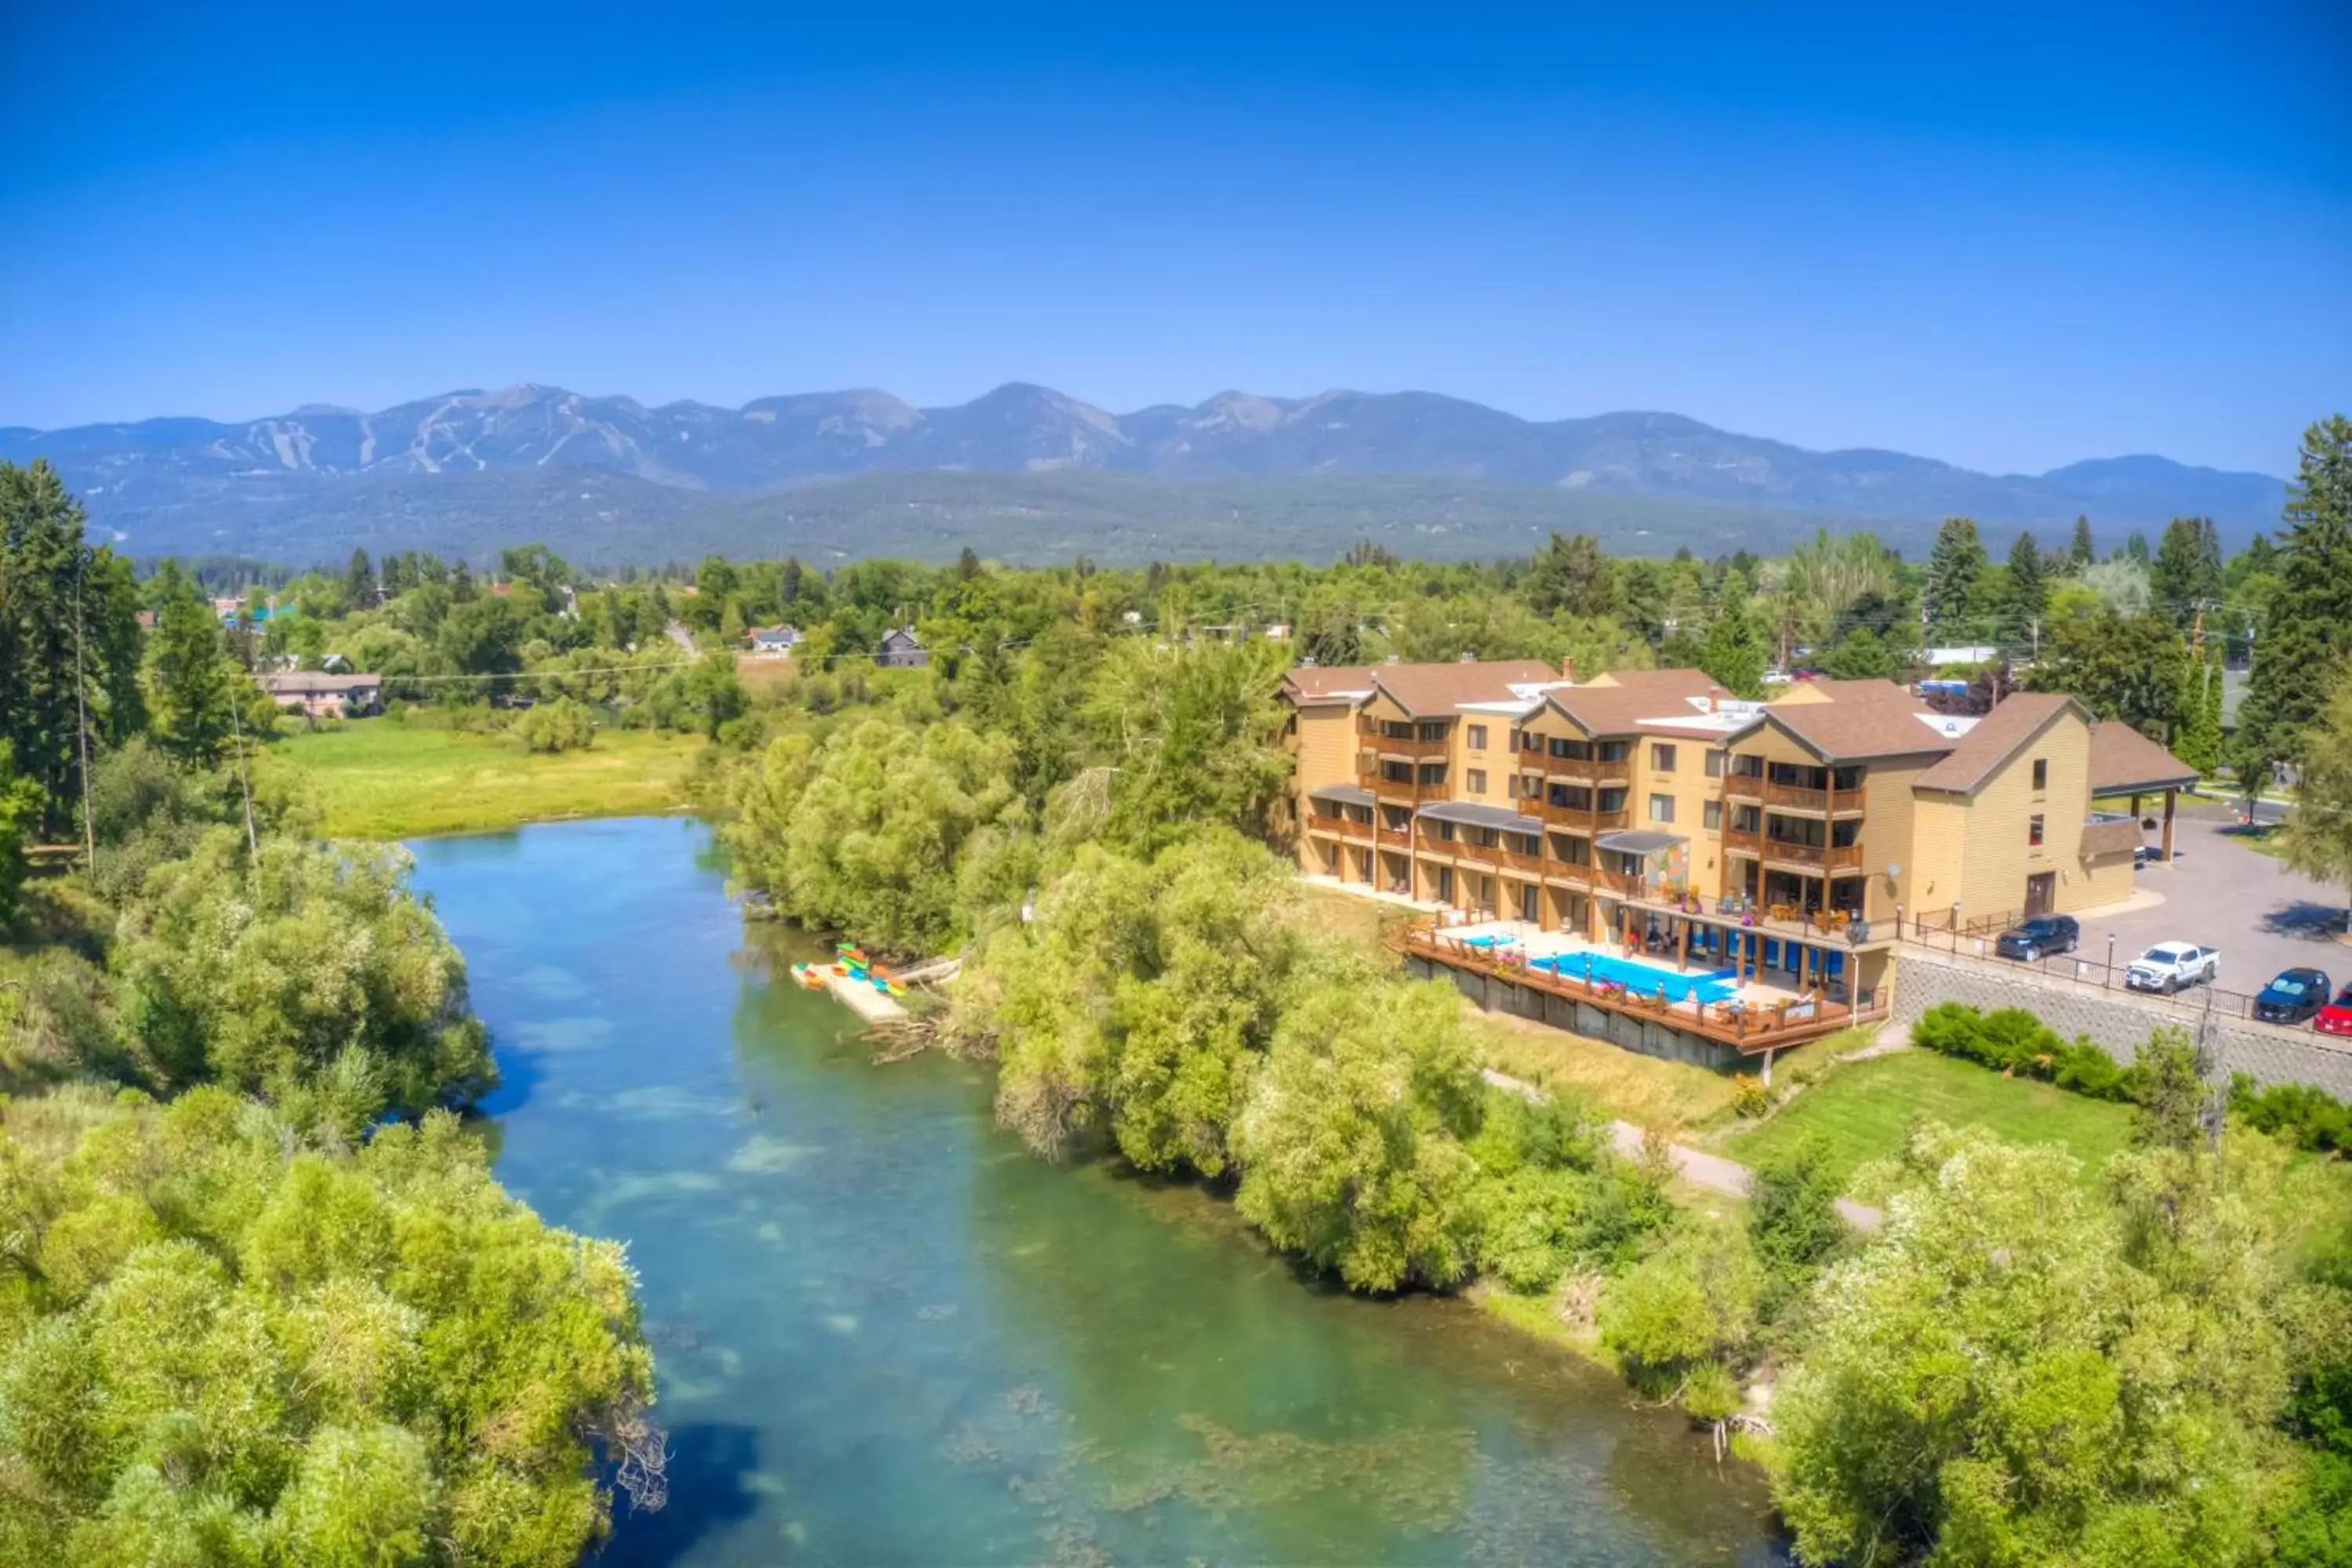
(2127, 765)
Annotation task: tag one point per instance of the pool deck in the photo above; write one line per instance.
(1760, 1019)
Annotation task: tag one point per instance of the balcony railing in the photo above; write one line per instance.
(1589, 770)
(1402, 792)
(1374, 739)
(1816, 856)
(1743, 841)
(1344, 827)
(1744, 786)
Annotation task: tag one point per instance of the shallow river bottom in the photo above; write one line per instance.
(886, 1334)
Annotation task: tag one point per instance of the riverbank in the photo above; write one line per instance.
(382, 778)
(887, 1332)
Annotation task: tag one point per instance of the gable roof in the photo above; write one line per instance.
(1327, 682)
(2123, 759)
(1636, 695)
(899, 636)
(1427, 691)
(1859, 721)
(1997, 737)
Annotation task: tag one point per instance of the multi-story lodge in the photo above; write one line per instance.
(1650, 808)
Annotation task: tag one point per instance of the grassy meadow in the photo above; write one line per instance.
(379, 778)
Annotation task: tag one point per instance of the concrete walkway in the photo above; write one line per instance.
(1696, 1166)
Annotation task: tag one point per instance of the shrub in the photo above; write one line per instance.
(2313, 1118)
(1750, 1098)
(563, 725)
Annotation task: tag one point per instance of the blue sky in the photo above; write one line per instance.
(2010, 239)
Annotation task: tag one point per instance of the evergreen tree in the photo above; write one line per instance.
(2306, 641)
(359, 582)
(2082, 552)
(1954, 567)
(41, 558)
(2197, 732)
(1572, 577)
(2135, 548)
(2186, 573)
(194, 677)
(1735, 652)
(2028, 584)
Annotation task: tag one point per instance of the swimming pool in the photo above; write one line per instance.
(1644, 978)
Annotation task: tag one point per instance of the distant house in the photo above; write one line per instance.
(902, 650)
(325, 694)
(775, 640)
(146, 620)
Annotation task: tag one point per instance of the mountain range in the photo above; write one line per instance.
(1028, 473)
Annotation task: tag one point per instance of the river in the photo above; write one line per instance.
(886, 1334)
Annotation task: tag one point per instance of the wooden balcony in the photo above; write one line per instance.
(1792, 796)
(1398, 792)
(1743, 786)
(1744, 841)
(1372, 738)
(1342, 827)
(1812, 856)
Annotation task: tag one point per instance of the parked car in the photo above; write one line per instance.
(2169, 965)
(2296, 994)
(2335, 1018)
(2146, 854)
(2039, 937)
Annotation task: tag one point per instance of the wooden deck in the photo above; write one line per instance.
(1750, 1030)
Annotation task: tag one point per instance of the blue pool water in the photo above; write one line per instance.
(1642, 978)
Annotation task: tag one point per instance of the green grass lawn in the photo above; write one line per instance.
(1859, 1110)
(379, 779)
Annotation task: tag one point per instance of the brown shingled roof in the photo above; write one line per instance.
(2121, 760)
(1863, 718)
(1995, 738)
(1640, 694)
(1318, 682)
(1430, 689)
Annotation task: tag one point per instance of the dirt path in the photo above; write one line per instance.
(1698, 1167)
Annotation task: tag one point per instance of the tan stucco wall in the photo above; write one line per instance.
(1890, 831)
(1326, 748)
(1495, 763)
(1933, 874)
(2107, 880)
(1998, 858)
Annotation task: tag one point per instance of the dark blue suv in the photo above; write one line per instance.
(2039, 937)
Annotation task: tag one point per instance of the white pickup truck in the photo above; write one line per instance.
(2169, 965)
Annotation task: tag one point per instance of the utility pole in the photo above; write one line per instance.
(244, 786)
(81, 726)
(2212, 1046)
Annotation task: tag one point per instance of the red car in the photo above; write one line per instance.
(2335, 1018)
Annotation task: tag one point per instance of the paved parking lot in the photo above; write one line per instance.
(2263, 916)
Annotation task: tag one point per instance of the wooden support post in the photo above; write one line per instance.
(1684, 961)
(1768, 1065)
(2172, 798)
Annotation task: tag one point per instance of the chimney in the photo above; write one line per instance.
(1568, 667)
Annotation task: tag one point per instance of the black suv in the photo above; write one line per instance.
(2039, 937)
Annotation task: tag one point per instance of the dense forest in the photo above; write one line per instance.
(1083, 792)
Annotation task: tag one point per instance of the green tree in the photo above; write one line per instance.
(2129, 668)
(220, 1349)
(563, 725)
(2018, 1373)
(2186, 576)
(308, 974)
(2197, 734)
(1188, 734)
(2306, 637)
(360, 582)
(867, 834)
(2317, 836)
(2028, 584)
(196, 682)
(2080, 550)
(1736, 652)
(1349, 1139)
(1954, 567)
(20, 817)
(1571, 576)
(1690, 1303)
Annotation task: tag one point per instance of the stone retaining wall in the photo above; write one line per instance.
(2117, 1021)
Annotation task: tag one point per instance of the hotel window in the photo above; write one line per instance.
(2033, 829)
(1478, 777)
(1662, 757)
(1712, 813)
(2041, 774)
(1714, 763)
(1477, 737)
(1661, 809)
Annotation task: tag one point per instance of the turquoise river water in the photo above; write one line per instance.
(886, 1334)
